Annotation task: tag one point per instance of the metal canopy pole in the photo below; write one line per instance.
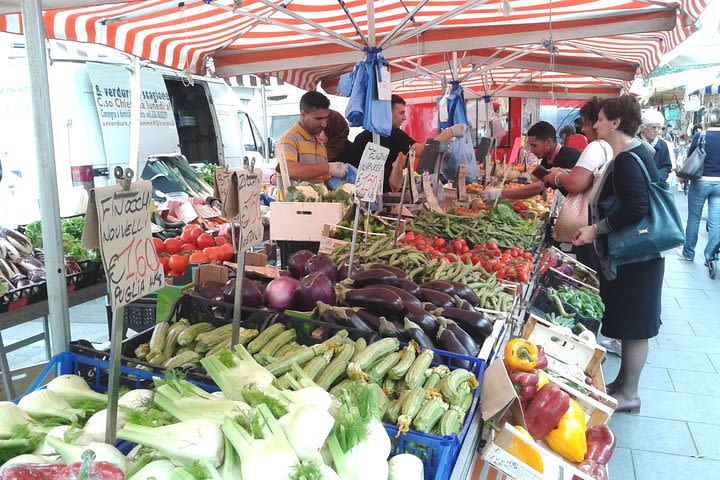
(266, 143)
(47, 179)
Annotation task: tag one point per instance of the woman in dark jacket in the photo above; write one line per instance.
(631, 291)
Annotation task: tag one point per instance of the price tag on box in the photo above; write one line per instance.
(248, 194)
(371, 172)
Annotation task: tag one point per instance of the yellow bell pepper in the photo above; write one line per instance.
(568, 439)
(524, 452)
(542, 379)
(521, 355)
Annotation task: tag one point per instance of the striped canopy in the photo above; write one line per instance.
(305, 41)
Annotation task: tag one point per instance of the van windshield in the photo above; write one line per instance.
(280, 123)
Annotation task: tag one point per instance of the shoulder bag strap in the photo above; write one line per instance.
(642, 165)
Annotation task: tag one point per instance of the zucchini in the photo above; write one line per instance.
(271, 347)
(436, 374)
(360, 345)
(282, 365)
(141, 352)
(376, 351)
(158, 336)
(261, 340)
(336, 367)
(455, 386)
(288, 347)
(170, 345)
(182, 359)
(450, 422)
(416, 374)
(379, 371)
(225, 344)
(393, 411)
(313, 368)
(430, 413)
(207, 340)
(406, 360)
(389, 386)
(187, 336)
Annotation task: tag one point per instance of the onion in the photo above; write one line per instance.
(322, 264)
(280, 293)
(342, 272)
(314, 288)
(296, 263)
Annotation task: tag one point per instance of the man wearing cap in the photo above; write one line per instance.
(652, 123)
(497, 130)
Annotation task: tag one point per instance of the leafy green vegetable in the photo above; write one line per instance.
(33, 232)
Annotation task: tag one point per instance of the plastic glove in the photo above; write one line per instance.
(459, 130)
(490, 196)
(337, 169)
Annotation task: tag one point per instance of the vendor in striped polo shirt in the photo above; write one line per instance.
(306, 156)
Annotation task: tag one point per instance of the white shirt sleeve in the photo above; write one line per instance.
(594, 156)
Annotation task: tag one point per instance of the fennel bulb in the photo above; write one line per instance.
(406, 466)
(75, 390)
(232, 373)
(307, 428)
(13, 418)
(193, 407)
(368, 459)
(314, 470)
(103, 452)
(157, 470)
(138, 399)
(28, 458)
(67, 434)
(186, 441)
(44, 403)
(95, 426)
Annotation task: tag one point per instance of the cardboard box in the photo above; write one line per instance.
(302, 221)
(211, 273)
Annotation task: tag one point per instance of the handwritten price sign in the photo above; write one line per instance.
(371, 173)
(248, 193)
(120, 226)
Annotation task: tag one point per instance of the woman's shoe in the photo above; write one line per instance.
(631, 406)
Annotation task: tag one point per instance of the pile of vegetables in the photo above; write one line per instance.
(421, 269)
(194, 245)
(72, 229)
(571, 269)
(553, 416)
(586, 302)
(373, 225)
(318, 192)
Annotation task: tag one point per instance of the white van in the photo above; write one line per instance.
(199, 117)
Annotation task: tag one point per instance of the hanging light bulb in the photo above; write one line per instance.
(505, 8)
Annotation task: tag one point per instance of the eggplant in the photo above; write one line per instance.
(388, 329)
(398, 272)
(369, 318)
(436, 297)
(440, 286)
(472, 322)
(331, 316)
(352, 319)
(406, 297)
(449, 342)
(428, 322)
(409, 286)
(465, 292)
(376, 299)
(416, 333)
(373, 277)
(463, 337)
(210, 290)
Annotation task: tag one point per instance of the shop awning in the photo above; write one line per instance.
(713, 89)
(303, 41)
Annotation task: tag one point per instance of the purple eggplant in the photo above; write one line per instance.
(464, 292)
(425, 320)
(399, 273)
(373, 277)
(436, 297)
(409, 286)
(376, 299)
(416, 333)
(440, 286)
(352, 319)
(448, 341)
(472, 322)
(369, 318)
(405, 296)
(463, 337)
(210, 290)
(388, 329)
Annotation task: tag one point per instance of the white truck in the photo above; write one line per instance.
(199, 117)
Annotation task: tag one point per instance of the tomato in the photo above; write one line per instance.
(198, 257)
(459, 244)
(409, 236)
(450, 257)
(159, 245)
(228, 251)
(528, 255)
(500, 275)
(191, 235)
(422, 248)
(187, 247)
(191, 226)
(523, 277)
(178, 263)
(213, 254)
(439, 242)
(220, 240)
(474, 259)
(493, 246)
(172, 245)
(164, 262)
(497, 267)
(205, 240)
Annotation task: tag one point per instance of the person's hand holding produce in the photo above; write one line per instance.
(585, 235)
(490, 195)
(549, 179)
(337, 169)
(459, 130)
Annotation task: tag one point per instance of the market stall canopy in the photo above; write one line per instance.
(282, 39)
(13, 6)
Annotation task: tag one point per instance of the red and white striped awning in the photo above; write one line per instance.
(304, 41)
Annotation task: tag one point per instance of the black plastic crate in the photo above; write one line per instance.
(138, 315)
(311, 332)
(92, 274)
(289, 247)
(541, 304)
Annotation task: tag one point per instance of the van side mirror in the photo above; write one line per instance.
(271, 147)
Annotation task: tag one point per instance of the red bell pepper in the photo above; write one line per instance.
(601, 443)
(525, 384)
(594, 469)
(96, 471)
(542, 361)
(31, 472)
(545, 410)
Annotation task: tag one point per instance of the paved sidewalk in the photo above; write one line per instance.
(677, 433)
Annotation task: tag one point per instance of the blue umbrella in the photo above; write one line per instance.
(455, 104)
(364, 109)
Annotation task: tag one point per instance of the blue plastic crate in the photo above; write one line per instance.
(438, 454)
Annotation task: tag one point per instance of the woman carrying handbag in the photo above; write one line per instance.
(705, 188)
(632, 288)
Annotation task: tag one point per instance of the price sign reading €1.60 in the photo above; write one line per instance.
(248, 193)
(371, 172)
(120, 226)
